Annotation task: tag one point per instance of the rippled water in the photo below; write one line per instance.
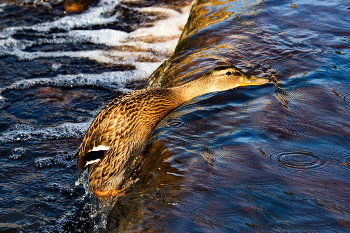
(272, 158)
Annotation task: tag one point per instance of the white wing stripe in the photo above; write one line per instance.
(100, 147)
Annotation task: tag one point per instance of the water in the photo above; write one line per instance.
(255, 159)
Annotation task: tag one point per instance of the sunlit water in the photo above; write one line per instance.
(272, 158)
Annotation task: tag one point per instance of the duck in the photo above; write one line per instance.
(121, 130)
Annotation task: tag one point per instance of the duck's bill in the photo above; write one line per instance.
(253, 80)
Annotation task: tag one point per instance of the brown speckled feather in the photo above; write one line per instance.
(130, 117)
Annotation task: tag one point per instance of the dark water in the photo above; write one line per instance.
(255, 159)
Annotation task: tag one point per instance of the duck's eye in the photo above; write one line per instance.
(228, 73)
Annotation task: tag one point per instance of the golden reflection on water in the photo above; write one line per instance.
(150, 199)
(200, 19)
(203, 15)
(208, 41)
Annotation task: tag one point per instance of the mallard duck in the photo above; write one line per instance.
(120, 132)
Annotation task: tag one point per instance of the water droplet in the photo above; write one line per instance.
(17, 153)
(346, 99)
(47, 4)
(44, 162)
(3, 104)
(301, 160)
(55, 66)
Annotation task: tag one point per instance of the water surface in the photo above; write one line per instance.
(254, 159)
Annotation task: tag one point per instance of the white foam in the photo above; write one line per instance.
(93, 16)
(115, 80)
(25, 132)
(161, 38)
(104, 36)
(105, 57)
(170, 27)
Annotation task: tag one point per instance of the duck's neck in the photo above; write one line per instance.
(192, 89)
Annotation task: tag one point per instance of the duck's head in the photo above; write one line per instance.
(220, 78)
(227, 77)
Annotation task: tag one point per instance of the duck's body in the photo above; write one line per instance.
(122, 129)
